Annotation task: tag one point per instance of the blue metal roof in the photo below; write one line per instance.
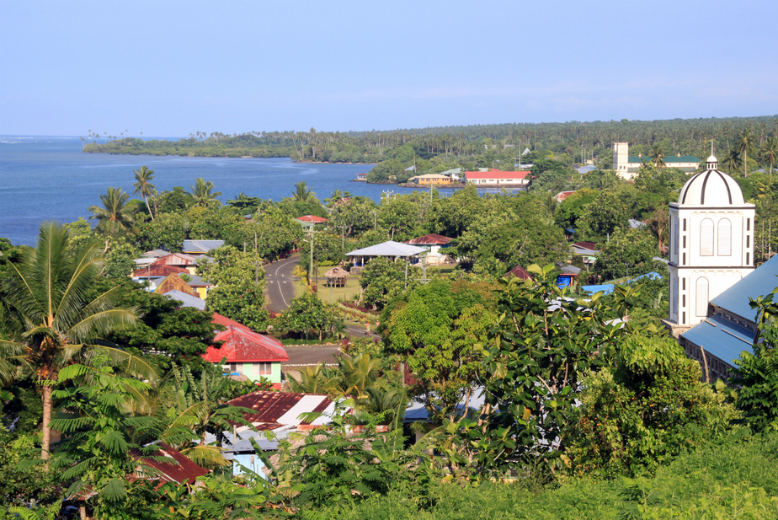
(721, 337)
(757, 283)
(607, 288)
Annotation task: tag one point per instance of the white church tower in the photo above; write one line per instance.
(711, 244)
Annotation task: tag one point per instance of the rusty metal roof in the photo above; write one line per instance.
(281, 409)
(185, 471)
(432, 239)
(156, 270)
(174, 281)
(176, 259)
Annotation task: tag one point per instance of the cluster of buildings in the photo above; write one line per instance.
(627, 166)
(484, 177)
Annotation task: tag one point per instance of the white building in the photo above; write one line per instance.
(627, 166)
(711, 244)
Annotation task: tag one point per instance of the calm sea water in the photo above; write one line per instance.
(51, 179)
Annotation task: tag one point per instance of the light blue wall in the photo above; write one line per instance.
(249, 460)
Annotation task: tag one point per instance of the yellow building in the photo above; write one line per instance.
(430, 178)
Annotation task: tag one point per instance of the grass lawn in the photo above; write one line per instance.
(351, 288)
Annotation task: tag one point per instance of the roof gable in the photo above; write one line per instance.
(176, 259)
(312, 218)
(240, 345)
(174, 282)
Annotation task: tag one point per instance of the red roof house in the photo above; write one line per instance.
(562, 195)
(247, 353)
(430, 240)
(175, 282)
(179, 470)
(312, 219)
(176, 259)
(520, 272)
(156, 270)
(276, 409)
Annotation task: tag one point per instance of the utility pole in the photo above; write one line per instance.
(375, 220)
(310, 264)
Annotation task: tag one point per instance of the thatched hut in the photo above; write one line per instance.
(336, 277)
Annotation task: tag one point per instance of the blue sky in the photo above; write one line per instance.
(170, 68)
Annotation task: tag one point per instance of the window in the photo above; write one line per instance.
(684, 319)
(748, 259)
(725, 237)
(684, 259)
(683, 303)
(748, 224)
(674, 295)
(702, 297)
(748, 240)
(684, 224)
(683, 282)
(706, 237)
(261, 369)
(684, 241)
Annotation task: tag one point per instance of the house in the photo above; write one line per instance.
(246, 352)
(730, 326)
(309, 221)
(454, 173)
(178, 260)
(626, 166)
(497, 178)
(200, 247)
(586, 250)
(174, 282)
(520, 273)
(200, 286)
(156, 253)
(180, 469)
(156, 271)
(278, 412)
(430, 179)
(362, 177)
(562, 195)
(187, 300)
(567, 275)
(435, 243)
(389, 249)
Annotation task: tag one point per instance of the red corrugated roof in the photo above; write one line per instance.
(175, 259)
(226, 322)
(174, 281)
(520, 272)
(496, 174)
(431, 239)
(269, 407)
(154, 270)
(585, 245)
(240, 345)
(312, 218)
(185, 471)
(562, 195)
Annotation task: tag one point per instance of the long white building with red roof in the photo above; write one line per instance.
(497, 178)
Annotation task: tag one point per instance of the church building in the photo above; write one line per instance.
(711, 270)
(627, 166)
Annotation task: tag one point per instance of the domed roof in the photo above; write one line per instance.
(711, 188)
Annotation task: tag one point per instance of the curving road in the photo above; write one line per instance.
(280, 283)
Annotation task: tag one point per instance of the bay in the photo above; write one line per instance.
(50, 178)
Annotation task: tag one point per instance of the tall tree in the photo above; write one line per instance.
(746, 142)
(303, 193)
(658, 158)
(49, 319)
(203, 194)
(770, 151)
(113, 216)
(143, 178)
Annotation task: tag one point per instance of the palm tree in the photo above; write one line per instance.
(113, 216)
(336, 196)
(658, 157)
(550, 203)
(203, 194)
(356, 374)
(313, 380)
(49, 319)
(302, 192)
(144, 176)
(731, 161)
(770, 151)
(746, 142)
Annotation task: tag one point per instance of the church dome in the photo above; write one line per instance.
(711, 188)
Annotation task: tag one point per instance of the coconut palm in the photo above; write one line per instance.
(144, 176)
(746, 142)
(658, 158)
(114, 215)
(550, 203)
(356, 374)
(770, 151)
(315, 379)
(49, 317)
(336, 196)
(203, 194)
(731, 161)
(303, 193)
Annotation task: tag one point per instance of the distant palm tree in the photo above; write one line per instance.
(732, 161)
(336, 196)
(550, 203)
(770, 151)
(302, 192)
(114, 215)
(746, 142)
(49, 318)
(658, 158)
(203, 194)
(144, 176)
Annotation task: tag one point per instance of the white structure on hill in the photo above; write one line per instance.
(711, 244)
(627, 166)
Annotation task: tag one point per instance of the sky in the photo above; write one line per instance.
(173, 67)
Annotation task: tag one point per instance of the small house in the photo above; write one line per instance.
(435, 244)
(200, 247)
(309, 221)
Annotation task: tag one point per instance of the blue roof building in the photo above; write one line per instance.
(730, 327)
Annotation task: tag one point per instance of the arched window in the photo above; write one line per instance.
(702, 296)
(725, 237)
(674, 294)
(706, 237)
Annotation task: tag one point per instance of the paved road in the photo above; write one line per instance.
(280, 283)
(311, 355)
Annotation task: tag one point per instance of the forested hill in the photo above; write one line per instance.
(577, 139)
